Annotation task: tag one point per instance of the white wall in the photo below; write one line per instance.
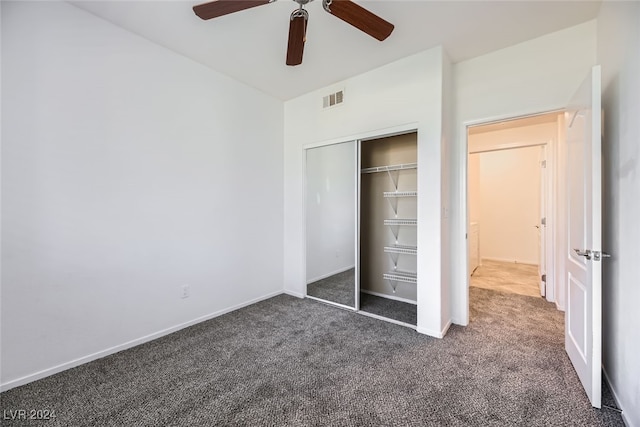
(448, 121)
(127, 171)
(534, 76)
(509, 205)
(330, 209)
(619, 54)
(404, 94)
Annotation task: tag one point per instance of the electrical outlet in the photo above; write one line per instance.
(185, 291)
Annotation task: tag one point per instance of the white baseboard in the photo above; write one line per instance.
(513, 261)
(333, 273)
(456, 321)
(106, 352)
(433, 333)
(627, 421)
(294, 294)
(387, 296)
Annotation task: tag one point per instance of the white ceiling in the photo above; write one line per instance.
(250, 45)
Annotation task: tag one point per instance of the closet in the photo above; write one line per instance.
(388, 225)
(361, 226)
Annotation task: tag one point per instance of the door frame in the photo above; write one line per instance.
(554, 211)
(546, 202)
(357, 138)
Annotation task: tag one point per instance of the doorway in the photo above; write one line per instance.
(510, 208)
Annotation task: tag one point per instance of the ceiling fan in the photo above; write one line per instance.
(346, 10)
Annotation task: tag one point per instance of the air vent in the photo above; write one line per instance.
(333, 99)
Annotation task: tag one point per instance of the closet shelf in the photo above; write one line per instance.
(401, 249)
(401, 276)
(400, 222)
(389, 194)
(388, 168)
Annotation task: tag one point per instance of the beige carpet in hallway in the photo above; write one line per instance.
(508, 277)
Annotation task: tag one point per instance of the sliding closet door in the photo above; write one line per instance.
(331, 232)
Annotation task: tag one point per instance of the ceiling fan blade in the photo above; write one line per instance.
(297, 37)
(224, 7)
(359, 17)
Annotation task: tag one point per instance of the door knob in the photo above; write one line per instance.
(597, 255)
(586, 253)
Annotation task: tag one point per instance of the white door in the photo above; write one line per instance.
(583, 317)
(542, 224)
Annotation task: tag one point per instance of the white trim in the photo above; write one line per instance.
(461, 165)
(551, 183)
(435, 334)
(512, 116)
(386, 319)
(127, 345)
(356, 219)
(459, 322)
(333, 273)
(510, 261)
(293, 294)
(508, 146)
(304, 219)
(627, 421)
(378, 133)
(393, 297)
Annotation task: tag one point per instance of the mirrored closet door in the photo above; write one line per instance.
(331, 231)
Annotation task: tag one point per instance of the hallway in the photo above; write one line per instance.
(507, 277)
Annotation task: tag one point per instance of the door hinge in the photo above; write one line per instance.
(544, 278)
(543, 164)
(543, 221)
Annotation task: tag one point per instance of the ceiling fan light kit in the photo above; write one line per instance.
(346, 10)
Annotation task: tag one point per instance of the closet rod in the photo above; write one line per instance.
(400, 222)
(401, 276)
(389, 194)
(401, 249)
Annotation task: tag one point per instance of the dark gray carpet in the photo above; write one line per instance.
(340, 288)
(293, 362)
(392, 309)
